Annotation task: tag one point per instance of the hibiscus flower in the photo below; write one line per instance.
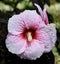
(30, 34)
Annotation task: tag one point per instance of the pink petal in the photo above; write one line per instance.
(15, 44)
(51, 30)
(39, 9)
(34, 51)
(26, 19)
(32, 19)
(15, 25)
(44, 38)
(45, 17)
(42, 13)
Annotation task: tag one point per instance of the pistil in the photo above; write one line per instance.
(29, 36)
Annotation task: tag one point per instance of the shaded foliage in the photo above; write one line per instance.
(12, 3)
(41, 2)
(58, 0)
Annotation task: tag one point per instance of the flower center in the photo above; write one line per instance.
(29, 36)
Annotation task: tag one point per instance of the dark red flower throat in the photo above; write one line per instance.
(29, 34)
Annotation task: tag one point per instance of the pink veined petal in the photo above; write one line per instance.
(51, 30)
(15, 44)
(15, 25)
(34, 51)
(44, 38)
(42, 13)
(39, 9)
(53, 35)
(26, 19)
(45, 17)
(32, 19)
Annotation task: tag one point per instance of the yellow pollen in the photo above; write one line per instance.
(29, 36)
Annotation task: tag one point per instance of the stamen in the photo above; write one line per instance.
(29, 36)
